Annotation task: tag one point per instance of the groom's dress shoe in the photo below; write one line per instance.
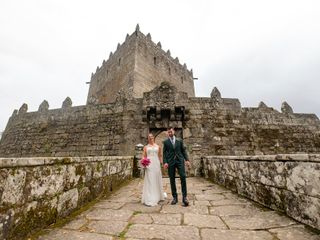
(174, 201)
(185, 202)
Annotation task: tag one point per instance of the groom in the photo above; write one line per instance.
(175, 157)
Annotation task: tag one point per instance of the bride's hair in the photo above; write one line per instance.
(148, 136)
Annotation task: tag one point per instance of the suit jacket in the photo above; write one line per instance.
(174, 154)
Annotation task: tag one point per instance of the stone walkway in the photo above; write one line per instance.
(215, 213)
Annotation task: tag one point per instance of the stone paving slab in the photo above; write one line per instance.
(181, 209)
(167, 219)
(202, 221)
(202, 203)
(138, 207)
(215, 190)
(233, 196)
(294, 232)
(107, 227)
(148, 231)
(141, 218)
(109, 214)
(61, 234)
(210, 197)
(76, 223)
(214, 213)
(132, 198)
(264, 220)
(228, 210)
(109, 205)
(229, 202)
(210, 234)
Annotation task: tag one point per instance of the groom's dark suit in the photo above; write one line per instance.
(175, 155)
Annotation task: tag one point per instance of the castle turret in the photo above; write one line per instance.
(140, 65)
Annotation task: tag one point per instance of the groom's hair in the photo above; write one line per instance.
(169, 128)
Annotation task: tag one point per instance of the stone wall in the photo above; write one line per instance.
(223, 127)
(153, 65)
(218, 126)
(228, 129)
(35, 192)
(289, 183)
(138, 65)
(114, 74)
(76, 131)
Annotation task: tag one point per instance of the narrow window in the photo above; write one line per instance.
(155, 61)
(181, 79)
(169, 71)
(119, 62)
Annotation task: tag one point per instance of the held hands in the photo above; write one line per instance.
(187, 163)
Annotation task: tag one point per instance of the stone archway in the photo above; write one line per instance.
(160, 137)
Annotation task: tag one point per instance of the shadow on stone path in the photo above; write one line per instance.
(214, 213)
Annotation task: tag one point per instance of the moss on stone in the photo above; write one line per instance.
(65, 160)
(45, 171)
(26, 222)
(98, 167)
(86, 205)
(80, 170)
(136, 213)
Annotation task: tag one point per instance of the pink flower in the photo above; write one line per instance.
(145, 162)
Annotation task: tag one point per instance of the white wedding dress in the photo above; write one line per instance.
(152, 191)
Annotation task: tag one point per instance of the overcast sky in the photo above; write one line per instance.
(259, 50)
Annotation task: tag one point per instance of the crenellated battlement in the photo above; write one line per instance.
(158, 52)
(111, 128)
(138, 64)
(161, 56)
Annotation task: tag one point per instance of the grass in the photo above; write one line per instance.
(123, 233)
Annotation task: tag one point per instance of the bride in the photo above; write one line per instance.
(152, 191)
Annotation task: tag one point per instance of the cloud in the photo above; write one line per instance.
(251, 50)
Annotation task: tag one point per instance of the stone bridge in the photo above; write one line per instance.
(274, 197)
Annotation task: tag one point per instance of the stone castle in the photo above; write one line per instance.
(141, 88)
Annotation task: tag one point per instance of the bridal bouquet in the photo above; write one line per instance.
(145, 162)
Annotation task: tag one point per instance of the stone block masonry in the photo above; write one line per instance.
(289, 183)
(220, 126)
(74, 131)
(137, 66)
(36, 192)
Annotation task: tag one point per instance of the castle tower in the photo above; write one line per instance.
(137, 66)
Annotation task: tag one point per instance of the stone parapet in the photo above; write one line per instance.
(220, 125)
(279, 157)
(285, 182)
(74, 131)
(36, 192)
